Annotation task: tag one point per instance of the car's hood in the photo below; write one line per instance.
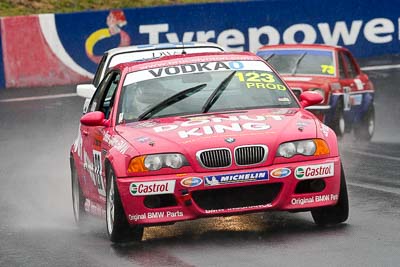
(308, 81)
(188, 135)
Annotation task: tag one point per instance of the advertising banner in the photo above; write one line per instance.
(78, 40)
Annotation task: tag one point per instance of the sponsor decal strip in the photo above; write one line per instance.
(314, 199)
(191, 182)
(314, 171)
(281, 172)
(235, 178)
(152, 188)
(155, 215)
(196, 67)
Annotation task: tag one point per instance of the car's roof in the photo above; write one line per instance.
(125, 49)
(187, 59)
(300, 46)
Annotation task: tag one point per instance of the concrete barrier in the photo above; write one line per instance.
(57, 49)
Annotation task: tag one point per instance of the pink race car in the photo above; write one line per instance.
(198, 135)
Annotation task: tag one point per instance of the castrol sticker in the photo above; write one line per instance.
(152, 188)
(314, 171)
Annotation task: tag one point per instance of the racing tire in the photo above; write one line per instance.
(118, 228)
(338, 123)
(78, 200)
(334, 214)
(366, 128)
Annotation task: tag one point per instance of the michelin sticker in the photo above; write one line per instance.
(235, 178)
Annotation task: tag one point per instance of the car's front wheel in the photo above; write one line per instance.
(118, 228)
(334, 214)
(366, 128)
(78, 200)
(338, 123)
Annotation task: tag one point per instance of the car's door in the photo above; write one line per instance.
(92, 136)
(353, 85)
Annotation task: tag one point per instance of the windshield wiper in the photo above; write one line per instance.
(298, 63)
(217, 93)
(170, 101)
(269, 57)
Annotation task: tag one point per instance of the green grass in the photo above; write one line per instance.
(27, 7)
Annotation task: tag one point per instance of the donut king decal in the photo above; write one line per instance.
(210, 126)
(235, 178)
(152, 188)
(314, 171)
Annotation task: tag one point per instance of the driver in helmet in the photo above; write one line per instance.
(141, 96)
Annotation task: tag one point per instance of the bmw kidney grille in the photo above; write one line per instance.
(222, 157)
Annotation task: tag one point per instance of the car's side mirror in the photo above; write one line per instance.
(310, 98)
(85, 90)
(95, 118)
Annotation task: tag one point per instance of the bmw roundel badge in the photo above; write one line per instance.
(230, 140)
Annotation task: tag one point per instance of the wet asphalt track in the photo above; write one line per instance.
(36, 220)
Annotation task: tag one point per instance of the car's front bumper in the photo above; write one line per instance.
(161, 199)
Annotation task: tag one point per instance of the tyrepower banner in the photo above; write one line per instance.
(53, 49)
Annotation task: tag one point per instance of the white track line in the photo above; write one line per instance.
(382, 67)
(372, 154)
(32, 98)
(376, 187)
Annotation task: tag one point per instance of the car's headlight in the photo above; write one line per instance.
(157, 161)
(287, 150)
(311, 147)
(153, 162)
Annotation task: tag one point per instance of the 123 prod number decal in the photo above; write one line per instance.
(262, 80)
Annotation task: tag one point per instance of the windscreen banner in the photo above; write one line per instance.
(54, 49)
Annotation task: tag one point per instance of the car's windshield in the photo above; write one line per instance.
(198, 88)
(300, 61)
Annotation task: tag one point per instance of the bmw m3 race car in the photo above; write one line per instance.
(132, 53)
(332, 71)
(198, 135)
